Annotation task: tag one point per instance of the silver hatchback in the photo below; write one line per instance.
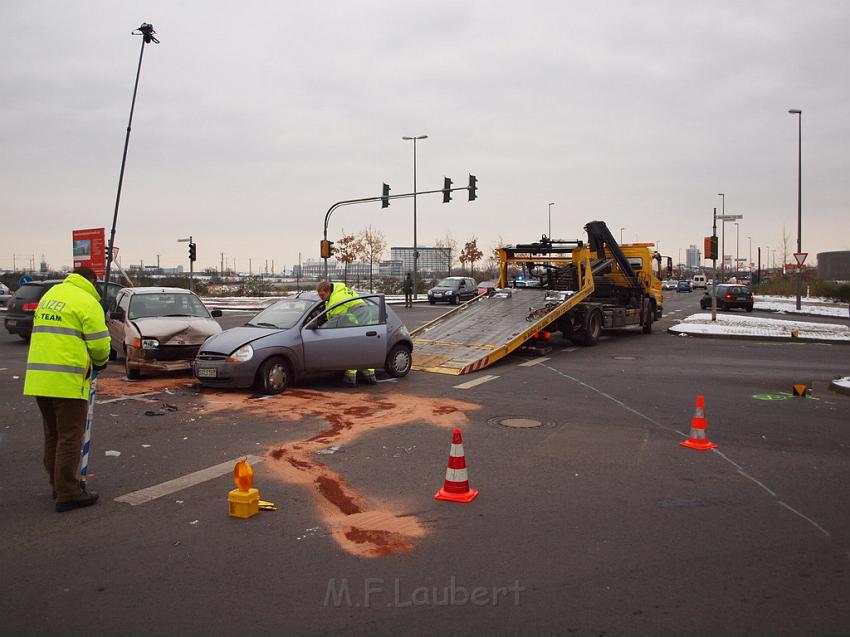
(297, 336)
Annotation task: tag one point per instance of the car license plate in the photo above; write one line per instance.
(11, 322)
(206, 372)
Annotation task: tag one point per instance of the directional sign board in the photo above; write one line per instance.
(801, 258)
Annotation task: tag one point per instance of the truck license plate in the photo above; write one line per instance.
(206, 372)
(11, 322)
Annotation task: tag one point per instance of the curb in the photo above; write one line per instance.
(839, 388)
(750, 337)
(795, 313)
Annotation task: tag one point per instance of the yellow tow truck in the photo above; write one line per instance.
(573, 287)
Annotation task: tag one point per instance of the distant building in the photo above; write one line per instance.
(693, 257)
(834, 266)
(392, 268)
(431, 260)
(43, 266)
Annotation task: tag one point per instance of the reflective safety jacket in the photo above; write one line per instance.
(69, 334)
(341, 292)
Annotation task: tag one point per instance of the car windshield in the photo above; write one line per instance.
(283, 314)
(166, 304)
(449, 283)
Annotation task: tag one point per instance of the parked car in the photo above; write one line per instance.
(295, 337)
(684, 286)
(20, 309)
(485, 287)
(159, 329)
(453, 290)
(729, 296)
(5, 294)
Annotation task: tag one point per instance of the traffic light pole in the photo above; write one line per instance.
(714, 267)
(191, 266)
(407, 195)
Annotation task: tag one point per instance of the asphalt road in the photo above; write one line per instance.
(595, 522)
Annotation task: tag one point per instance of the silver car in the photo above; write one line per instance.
(296, 336)
(159, 329)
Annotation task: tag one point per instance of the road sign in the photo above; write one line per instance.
(801, 258)
(730, 217)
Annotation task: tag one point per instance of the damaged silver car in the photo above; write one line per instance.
(159, 329)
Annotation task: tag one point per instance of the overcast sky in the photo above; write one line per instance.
(252, 118)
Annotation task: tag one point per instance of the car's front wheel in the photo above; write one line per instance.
(398, 361)
(131, 373)
(273, 376)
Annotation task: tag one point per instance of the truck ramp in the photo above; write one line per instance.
(487, 328)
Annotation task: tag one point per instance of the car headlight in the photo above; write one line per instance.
(150, 343)
(244, 353)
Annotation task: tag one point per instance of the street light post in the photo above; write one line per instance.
(550, 220)
(799, 114)
(737, 245)
(147, 33)
(750, 254)
(621, 235)
(415, 244)
(722, 196)
(191, 261)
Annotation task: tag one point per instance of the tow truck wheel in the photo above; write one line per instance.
(647, 318)
(592, 329)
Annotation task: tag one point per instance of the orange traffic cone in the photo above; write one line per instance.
(456, 487)
(698, 440)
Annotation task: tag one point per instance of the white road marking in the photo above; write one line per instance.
(140, 397)
(534, 361)
(569, 349)
(183, 482)
(478, 381)
(388, 380)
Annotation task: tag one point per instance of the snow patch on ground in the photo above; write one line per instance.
(735, 325)
(842, 382)
(809, 305)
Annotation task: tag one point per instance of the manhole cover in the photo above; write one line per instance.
(624, 358)
(518, 423)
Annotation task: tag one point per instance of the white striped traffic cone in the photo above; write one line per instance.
(698, 440)
(456, 487)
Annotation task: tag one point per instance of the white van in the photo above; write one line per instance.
(699, 281)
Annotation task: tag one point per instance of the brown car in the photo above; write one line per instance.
(159, 329)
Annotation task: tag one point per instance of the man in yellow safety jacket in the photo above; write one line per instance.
(69, 341)
(333, 294)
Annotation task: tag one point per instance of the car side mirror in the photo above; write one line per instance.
(117, 315)
(216, 313)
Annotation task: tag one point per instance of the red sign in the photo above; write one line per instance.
(90, 249)
(801, 258)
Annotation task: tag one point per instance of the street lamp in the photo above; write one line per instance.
(799, 114)
(415, 246)
(147, 33)
(191, 259)
(621, 235)
(722, 196)
(737, 245)
(750, 254)
(550, 220)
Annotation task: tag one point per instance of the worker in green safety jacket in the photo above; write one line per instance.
(69, 342)
(352, 313)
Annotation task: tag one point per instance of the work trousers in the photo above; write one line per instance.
(64, 421)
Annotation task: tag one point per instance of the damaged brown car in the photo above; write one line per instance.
(159, 329)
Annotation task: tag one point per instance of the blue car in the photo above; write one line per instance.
(684, 286)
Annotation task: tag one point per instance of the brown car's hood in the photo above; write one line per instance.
(177, 330)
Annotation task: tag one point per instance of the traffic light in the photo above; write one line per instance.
(385, 197)
(193, 252)
(326, 248)
(473, 188)
(447, 190)
(710, 247)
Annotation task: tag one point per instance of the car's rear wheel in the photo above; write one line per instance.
(273, 376)
(398, 361)
(131, 373)
(749, 308)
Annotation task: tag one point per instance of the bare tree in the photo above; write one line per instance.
(786, 240)
(448, 249)
(373, 247)
(471, 254)
(346, 249)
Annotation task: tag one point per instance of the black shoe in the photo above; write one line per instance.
(85, 499)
